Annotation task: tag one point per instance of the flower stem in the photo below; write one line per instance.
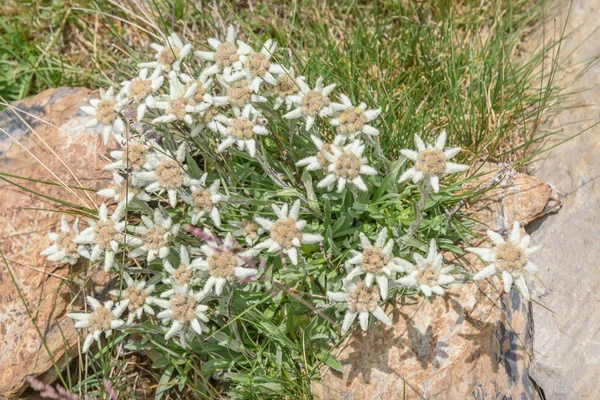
(424, 190)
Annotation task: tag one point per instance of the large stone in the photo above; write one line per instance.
(474, 343)
(44, 140)
(567, 334)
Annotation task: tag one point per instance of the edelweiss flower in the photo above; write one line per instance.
(223, 264)
(154, 236)
(510, 258)
(179, 104)
(258, 67)
(204, 87)
(64, 248)
(166, 173)
(376, 261)
(136, 297)
(318, 161)
(133, 157)
(285, 88)
(430, 274)
(139, 90)
(204, 200)
(346, 164)
(185, 311)
(286, 232)
(361, 301)
(226, 55)
(169, 56)
(249, 229)
(104, 235)
(241, 130)
(431, 162)
(312, 103)
(103, 318)
(352, 120)
(239, 95)
(123, 190)
(106, 112)
(186, 275)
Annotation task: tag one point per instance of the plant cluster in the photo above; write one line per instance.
(258, 202)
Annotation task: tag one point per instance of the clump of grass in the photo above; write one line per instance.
(428, 67)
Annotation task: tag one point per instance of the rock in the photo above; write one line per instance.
(566, 364)
(474, 343)
(32, 148)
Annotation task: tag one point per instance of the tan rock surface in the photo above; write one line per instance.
(31, 148)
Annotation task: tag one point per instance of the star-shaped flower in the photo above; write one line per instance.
(226, 54)
(431, 162)
(351, 120)
(312, 103)
(179, 104)
(106, 112)
(140, 90)
(258, 68)
(509, 258)
(204, 200)
(346, 165)
(136, 296)
(64, 248)
(154, 236)
(170, 55)
(319, 161)
(241, 130)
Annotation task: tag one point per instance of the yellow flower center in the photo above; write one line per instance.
(373, 260)
(222, 264)
(155, 238)
(313, 102)
(284, 231)
(105, 112)
(177, 106)
(135, 156)
(184, 275)
(431, 162)
(428, 275)
(202, 199)
(347, 166)
(226, 54)
(208, 114)
(285, 86)
(65, 242)
(326, 148)
(239, 93)
(352, 120)
(258, 64)
(363, 299)
(510, 257)
(100, 320)
(105, 232)
(183, 308)
(167, 57)
(137, 297)
(139, 89)
(250, 230)
(169, 173)
(241, 128)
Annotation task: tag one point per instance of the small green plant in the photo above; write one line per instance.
(252, 217)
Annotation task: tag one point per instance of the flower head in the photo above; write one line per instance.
(286, 232)
(185, 274)
(123, 190)
(346, 165)
(133, 157)
(140, 90)
(375, 261)
(154, 236)
(258, 67)
(64, 248)
(102, 319)
(170, 55)
(226, 55)
(179, 104)
(104, 235)
(361, 301)
(137, 296)
(185, 312)
(106, 112)
(431, 162)
(238, 94)
(353, 120)
(312, 103)
(204, 200)
(319, 161)
(285, 88)
(430, 274)
(509, 258)
(241, 130)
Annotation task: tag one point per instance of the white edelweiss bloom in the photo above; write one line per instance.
(64, 248)
(318, 161)
(241, 130)
(346, 165)
(312, 103)
(106, 112)
(351, 120)
(238, 95)
(375, 261)
(285, 87)
(508, 258)
(166, 173)
(140, 90)
(204, 201)
(226, 54)
(136, 296)
(249, 229)
(258, 68)
(170, 55)
(431, 162)
(186, 275)
(223, 264)
(133, 157)
(286, 232)
(185, 313)
(154, 236)
(204, 89)
(123, 190)
(102, 318)
(104, 235)
(361, 301)
(179, 104)
(430, 275)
